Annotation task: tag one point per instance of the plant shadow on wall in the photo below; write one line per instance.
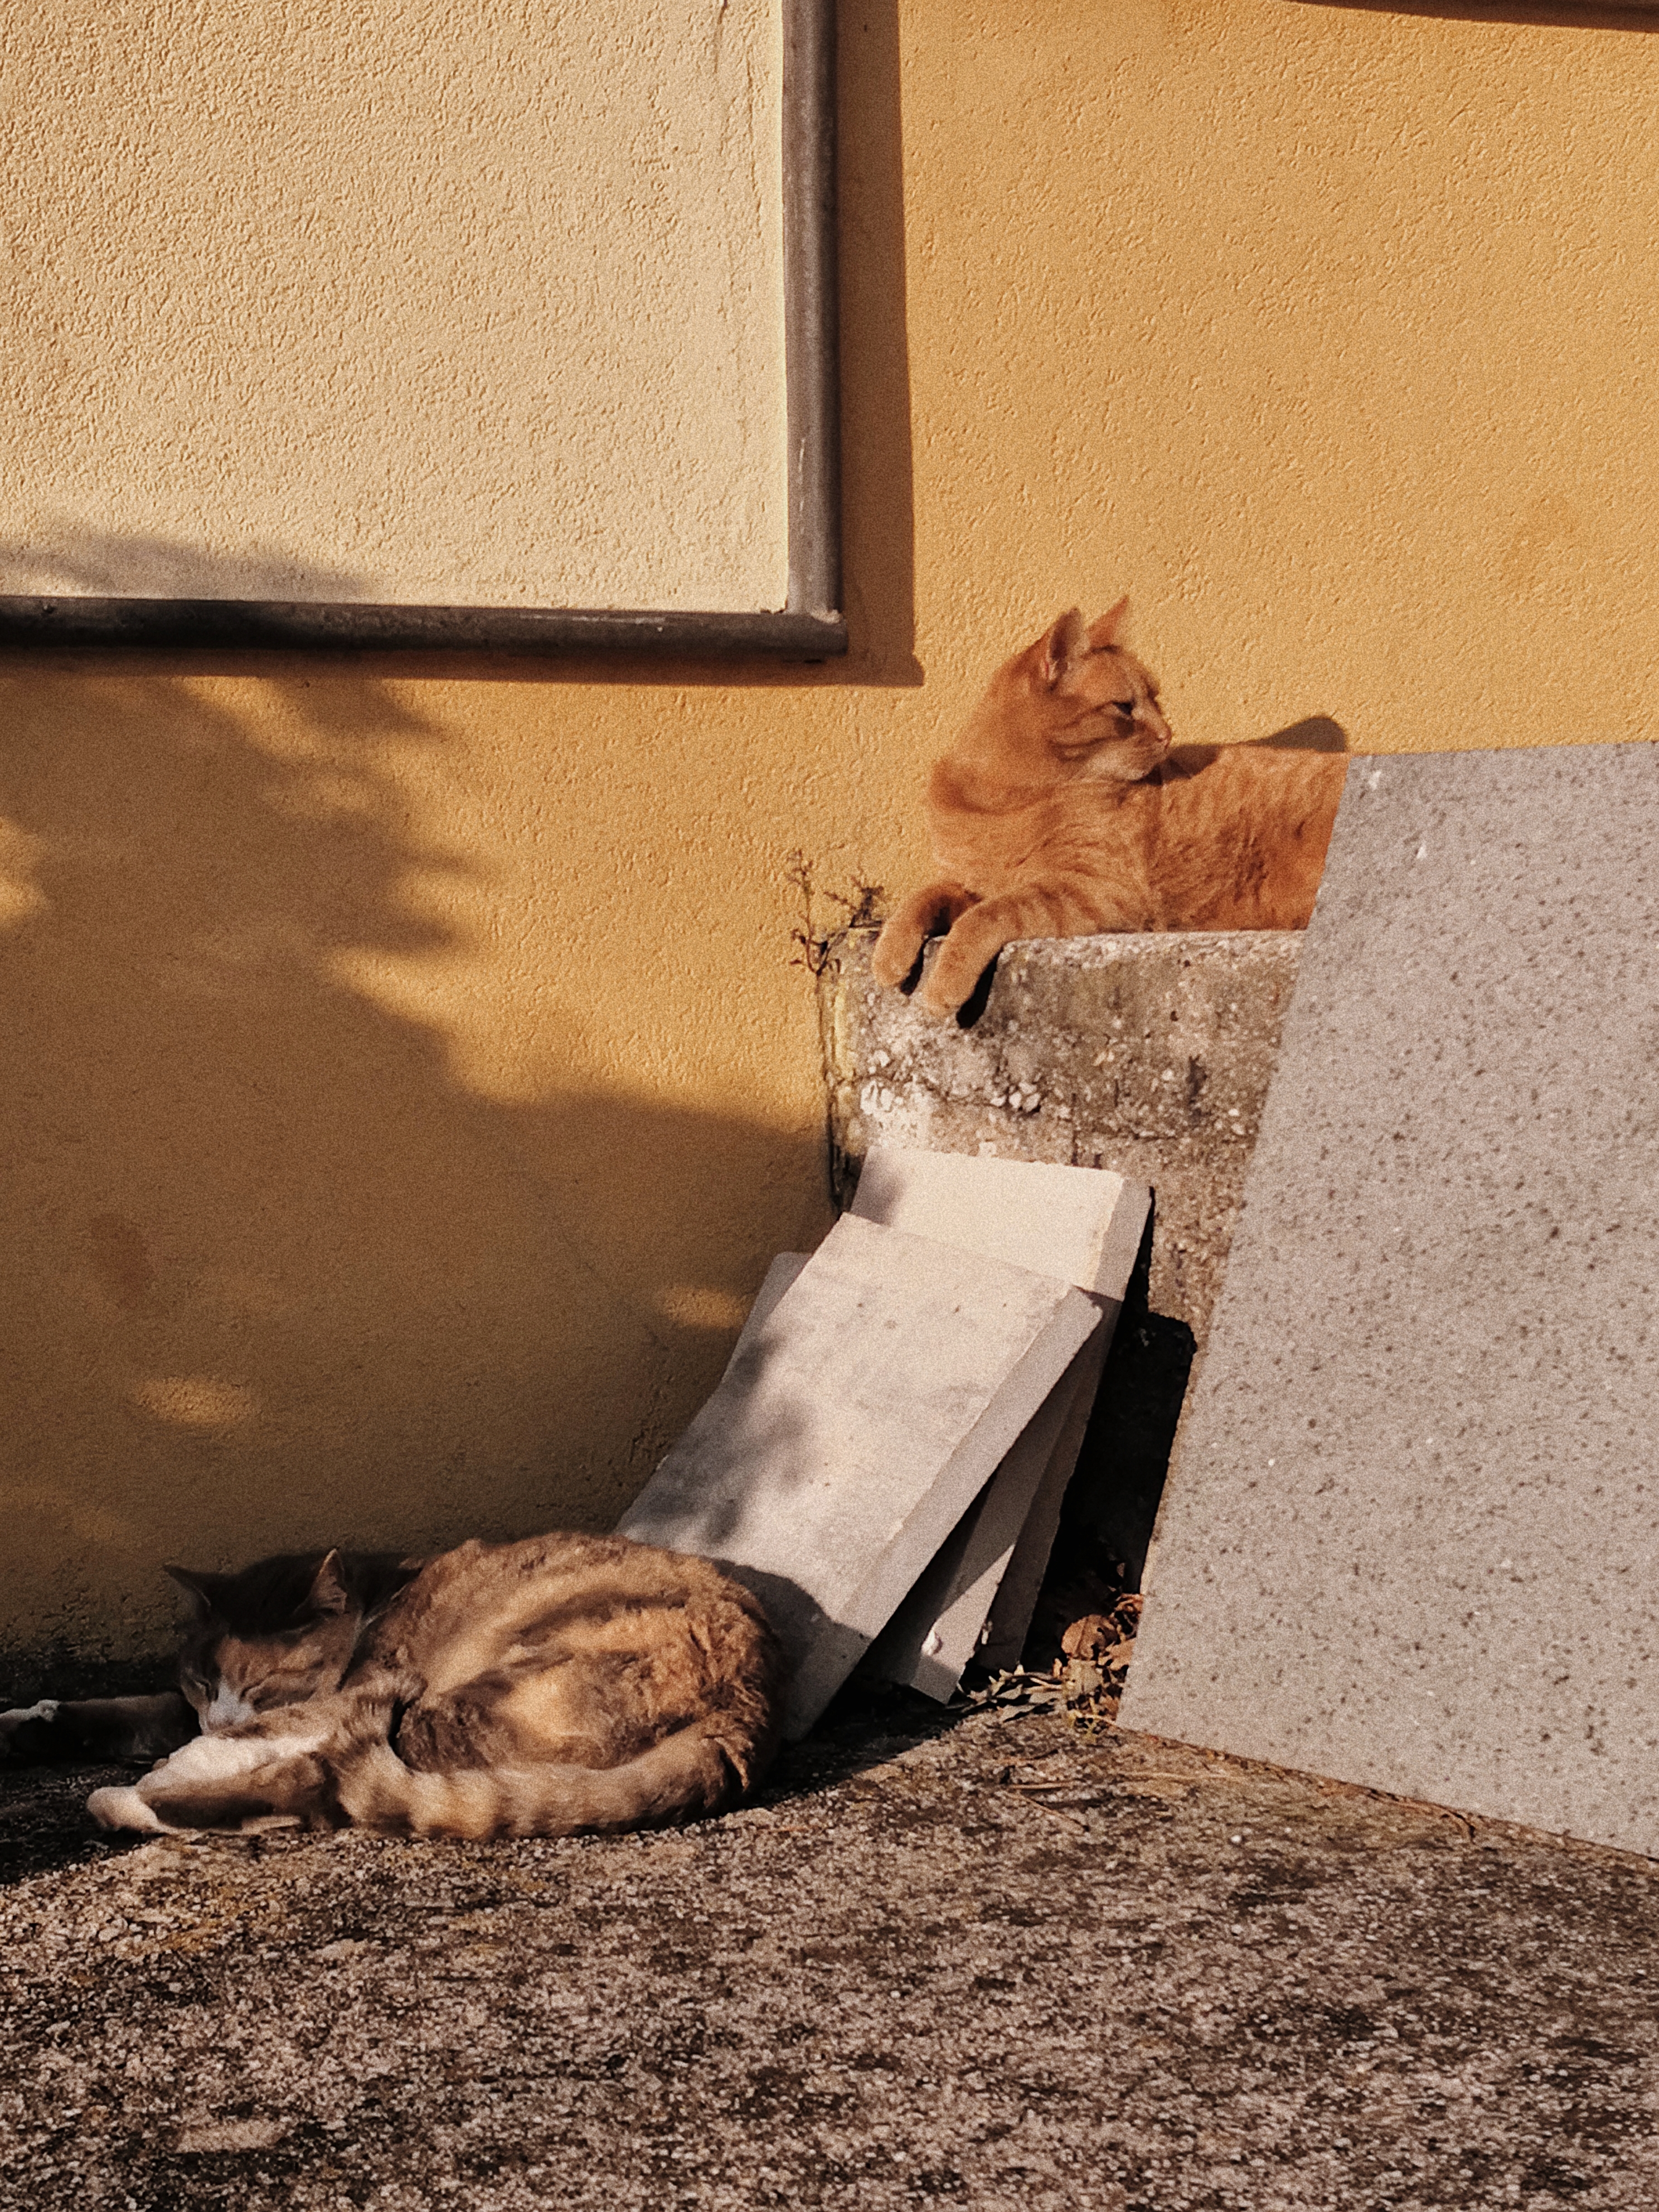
(278, 1274)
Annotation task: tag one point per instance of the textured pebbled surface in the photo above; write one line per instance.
(1000, 1966)
(1412, 1535)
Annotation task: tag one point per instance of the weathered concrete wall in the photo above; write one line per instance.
(1148, 1055)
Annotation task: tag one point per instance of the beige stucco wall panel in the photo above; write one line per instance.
(407, 1077)
(354, 301)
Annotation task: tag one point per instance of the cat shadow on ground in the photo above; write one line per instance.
(44, 1822)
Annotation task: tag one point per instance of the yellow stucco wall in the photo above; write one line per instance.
(407, 1077)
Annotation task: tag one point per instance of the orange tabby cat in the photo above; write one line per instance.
(1060, 812)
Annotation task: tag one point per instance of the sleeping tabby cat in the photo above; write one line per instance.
(1060, 810)
(562, 1683)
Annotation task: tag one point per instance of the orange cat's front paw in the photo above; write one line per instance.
(942, 1005)
(949, 984)
(896, 953)
(962, 961)
(922, 916)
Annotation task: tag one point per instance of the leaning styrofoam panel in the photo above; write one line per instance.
(844, 1443)
(1084, 1226)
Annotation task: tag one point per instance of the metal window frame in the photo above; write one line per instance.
(809, 626)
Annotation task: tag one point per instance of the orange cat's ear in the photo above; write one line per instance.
(1104, 630)
(1066, 642)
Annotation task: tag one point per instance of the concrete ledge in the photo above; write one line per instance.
(1151, 1055)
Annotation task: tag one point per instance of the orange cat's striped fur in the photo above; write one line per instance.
(1061, 810)
(561, 1683)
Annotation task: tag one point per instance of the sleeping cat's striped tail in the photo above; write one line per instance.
(685, 1776)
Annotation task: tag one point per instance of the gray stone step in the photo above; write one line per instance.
(1082, 1225)
(957, 1607)
(976, 1595)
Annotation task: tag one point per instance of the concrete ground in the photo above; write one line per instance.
(993, 1964)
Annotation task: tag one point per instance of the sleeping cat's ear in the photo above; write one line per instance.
(200, 1589)
(1067, 643)
(328, 1592)
(1104, 630)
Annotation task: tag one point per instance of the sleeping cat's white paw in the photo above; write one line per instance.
(121, 1807)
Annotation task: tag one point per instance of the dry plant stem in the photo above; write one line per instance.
(1058, 1811)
